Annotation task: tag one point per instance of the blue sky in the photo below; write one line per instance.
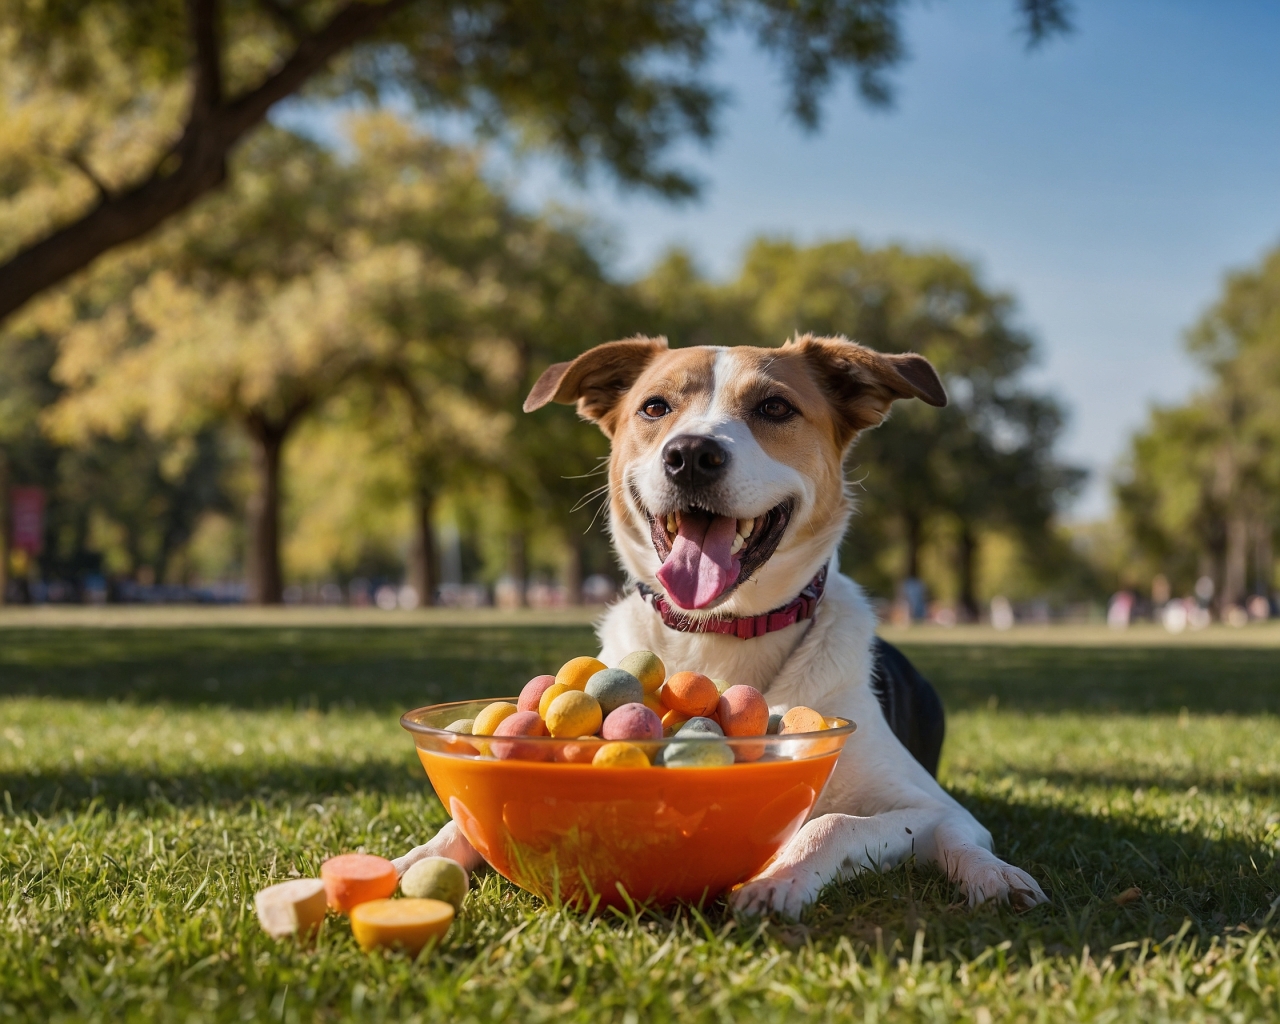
(1108, 180)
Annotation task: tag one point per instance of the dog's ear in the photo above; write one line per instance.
(597, 379)
(863, 383)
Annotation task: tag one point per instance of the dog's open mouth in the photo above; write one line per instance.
(706, 555)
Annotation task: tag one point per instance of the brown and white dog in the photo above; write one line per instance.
(727, 505)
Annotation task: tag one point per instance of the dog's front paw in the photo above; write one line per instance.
(783, 892)
(985, 876)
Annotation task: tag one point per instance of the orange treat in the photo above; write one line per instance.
(654, 703)
(575, 672)
(690, 693)
(802, 719)
(579, 752)
(743, 711)
(354, 878)
(672, 721)
(409, 923)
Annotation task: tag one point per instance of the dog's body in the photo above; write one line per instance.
(727, 496)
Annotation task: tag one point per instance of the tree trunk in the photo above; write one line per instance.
(573, 571)
(424, 554)
(1236, 561)
(915, 540)
(966, 570)
(264, 576)
(1262, 558)
(517, 566)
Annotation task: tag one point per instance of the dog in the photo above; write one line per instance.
(727, 504)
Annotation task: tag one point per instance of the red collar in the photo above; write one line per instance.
(797, 610)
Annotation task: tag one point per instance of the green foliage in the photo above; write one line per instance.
(154, 779)
(1199, 492)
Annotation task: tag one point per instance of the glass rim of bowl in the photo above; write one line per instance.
(407, 721)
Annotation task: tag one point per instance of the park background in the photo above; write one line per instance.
(275, 276)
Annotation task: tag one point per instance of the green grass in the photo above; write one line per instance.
(153, 779)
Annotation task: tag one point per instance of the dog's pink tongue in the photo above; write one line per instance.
(700, 567)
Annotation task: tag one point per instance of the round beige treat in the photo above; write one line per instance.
(291, 908)
(436, 878)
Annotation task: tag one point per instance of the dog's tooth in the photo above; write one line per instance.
(745, 527)
(737, 544)
(671, 524)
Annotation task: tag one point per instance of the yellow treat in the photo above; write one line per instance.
(654, 703)
(573, 714)
(620, 755)
(291, 908)
(722, 685)
(409, 923)
(491, 717)
(802, 719)
(575, 672)
(647, 667)
(548, 695)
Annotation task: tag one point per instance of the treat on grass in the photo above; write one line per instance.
(294, 908)
(647, 667)
(436, 878)
(409, 923)
(354, 878)
(614, 687)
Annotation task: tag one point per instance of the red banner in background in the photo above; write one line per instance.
(26, 505)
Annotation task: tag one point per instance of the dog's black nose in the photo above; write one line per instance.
(693, 461)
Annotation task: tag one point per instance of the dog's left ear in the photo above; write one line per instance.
(864, 383)
(597, 379)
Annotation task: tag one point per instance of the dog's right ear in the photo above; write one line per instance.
(597, 379)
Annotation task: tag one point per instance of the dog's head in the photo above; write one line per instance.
(726, 478)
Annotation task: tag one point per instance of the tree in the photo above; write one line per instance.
(598, 81)
(986, 461)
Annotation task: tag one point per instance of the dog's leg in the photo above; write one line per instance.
(840, 844)
(448, 842)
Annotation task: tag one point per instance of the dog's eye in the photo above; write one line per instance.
(775, 409)
(655, 409)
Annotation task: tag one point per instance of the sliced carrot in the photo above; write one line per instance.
(291, 908)
(354, 878)
(410, 923)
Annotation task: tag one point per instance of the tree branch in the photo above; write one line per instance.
(78, 160)
(213, 128)
(288, 19)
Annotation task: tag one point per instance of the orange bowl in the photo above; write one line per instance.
(576, 833)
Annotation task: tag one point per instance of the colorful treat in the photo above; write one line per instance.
(548, 695)
(690, 693)
(647, 667)
(487, 722)
(613, 687)
(620, 755)
(533, 691)
(632, 722)
(575, 672)
(292, 908)
(801, 719)
(462, 726)
(522, 723)
(436, 878)
(775, 723)
(743, 711)
(579, 752)
(654, 703)
(354, 878)
(409, 923)
(700, 727)
(698, 752)
(721, 685)
(574, 713)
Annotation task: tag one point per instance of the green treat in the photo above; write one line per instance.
(647, 667)
(700, 727)
(698, 752)
(613, 687)
(775, 723)
(462, 726)
(436, 878)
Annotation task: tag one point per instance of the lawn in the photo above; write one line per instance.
(153, 778)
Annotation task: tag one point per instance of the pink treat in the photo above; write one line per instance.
(632, 722)
(522, 723)
(533, 691)
(743, 712)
